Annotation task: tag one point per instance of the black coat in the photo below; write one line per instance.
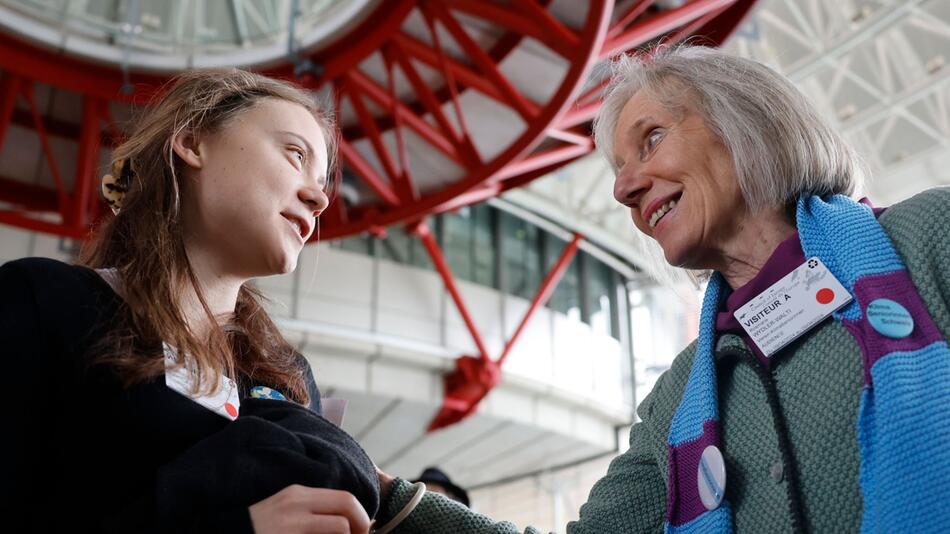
(80, 453)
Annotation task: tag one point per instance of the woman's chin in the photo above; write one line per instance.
(283, 262)
(676, 256)
(288, 265)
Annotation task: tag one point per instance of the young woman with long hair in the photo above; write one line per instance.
(130, 370)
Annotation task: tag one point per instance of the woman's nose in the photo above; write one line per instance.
(315, 198)
(629, 186)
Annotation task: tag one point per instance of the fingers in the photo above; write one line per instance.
(327, 502)
(310, 510)
(331, 524)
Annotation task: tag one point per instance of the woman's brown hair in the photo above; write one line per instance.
(144, 244)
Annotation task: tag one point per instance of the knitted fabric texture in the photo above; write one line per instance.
(818, 382)
(696, 426)
(904, 420)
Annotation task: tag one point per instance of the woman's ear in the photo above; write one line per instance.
(185, 146)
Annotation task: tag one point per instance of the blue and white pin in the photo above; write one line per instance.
(711, 477)
(263, 392)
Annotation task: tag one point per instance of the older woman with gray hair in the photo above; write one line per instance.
(817, 395)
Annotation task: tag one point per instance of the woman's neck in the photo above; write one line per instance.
(745, 253)
(220, 292)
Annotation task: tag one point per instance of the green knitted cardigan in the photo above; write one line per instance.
(788, 432)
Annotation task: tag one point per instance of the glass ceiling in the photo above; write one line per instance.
(169, 35)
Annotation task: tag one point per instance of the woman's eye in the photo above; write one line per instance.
(299, 154)
(652, 139)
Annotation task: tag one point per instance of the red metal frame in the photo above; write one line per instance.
(548, 285)
(557, 130)
(475, 376)
(559, 125)
(428, 240)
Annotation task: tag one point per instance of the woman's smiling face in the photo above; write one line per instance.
(257, 186)
(678, 180)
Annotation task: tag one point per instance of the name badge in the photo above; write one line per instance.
(182, 379)
(792, 306)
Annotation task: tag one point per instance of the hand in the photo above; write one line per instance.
(298, 509)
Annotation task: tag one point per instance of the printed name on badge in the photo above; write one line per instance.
(792, 306)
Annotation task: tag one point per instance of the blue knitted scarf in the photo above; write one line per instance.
(903, 429)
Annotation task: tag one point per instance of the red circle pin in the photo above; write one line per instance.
(232, 411)
(824, 296)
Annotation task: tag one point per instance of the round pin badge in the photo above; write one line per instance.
(263, 392)
(890, 318)
(711, 477)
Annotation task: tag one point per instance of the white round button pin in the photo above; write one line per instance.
(711, 477)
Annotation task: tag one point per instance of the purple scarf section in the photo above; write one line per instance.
(784, 259)
(688, 506)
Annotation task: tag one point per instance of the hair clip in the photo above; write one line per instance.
(115, 185)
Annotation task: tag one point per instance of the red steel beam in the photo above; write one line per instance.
(553, 121)
(467, 154)
(428, 240)
(489, 190)
(463, 73)
(28, 196)
(532, 23)
(403, 181)
(692, 27)
(15, 218)
(550, 25)
(86, 163)
(64, 72)
(595, 28)
(450, 83)
(567, 136)
(334, 214)
(719, 30)
(485, 63)
(9, 88)
(356, 82)
(628, 17)
(474, 196)
(543, 159)
(579, 115)
(355, 46)
(375, 138)
(27, 92)
(544, 292)
(660, 24)
(60, 129)
(367, 173)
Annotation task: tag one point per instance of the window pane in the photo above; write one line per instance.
(457, 242)
(483, 248)
(418, 255)
(361, 244)
(600, 295)
(520, 256)
(566, 298)
(396, 246)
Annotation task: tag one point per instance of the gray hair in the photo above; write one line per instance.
(780, 146)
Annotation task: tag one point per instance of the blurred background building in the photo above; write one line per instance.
(473, 219)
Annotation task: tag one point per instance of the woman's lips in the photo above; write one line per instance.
(660, 206)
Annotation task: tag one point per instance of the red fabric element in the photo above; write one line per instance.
(465, 387)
